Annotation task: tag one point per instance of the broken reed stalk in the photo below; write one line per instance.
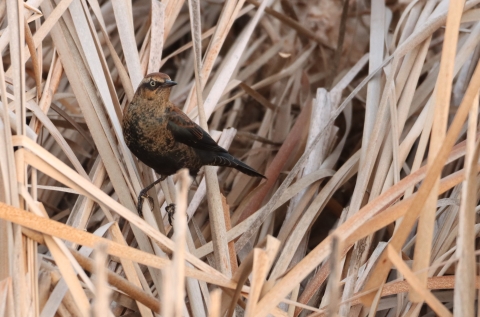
(217, 220)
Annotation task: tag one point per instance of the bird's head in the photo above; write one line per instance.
(155, 86)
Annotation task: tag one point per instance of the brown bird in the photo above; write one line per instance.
(164, 138)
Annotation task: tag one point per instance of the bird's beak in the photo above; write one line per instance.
(169, 83)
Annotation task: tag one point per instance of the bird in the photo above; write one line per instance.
(164, 138)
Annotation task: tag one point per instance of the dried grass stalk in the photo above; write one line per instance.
(383, 158)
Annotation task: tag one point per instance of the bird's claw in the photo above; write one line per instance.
(139, 206)
(150, 201)
(141, 197)
(170, 209)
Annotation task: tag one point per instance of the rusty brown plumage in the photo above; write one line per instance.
(164, 138)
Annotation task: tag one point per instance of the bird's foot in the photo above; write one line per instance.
(143, 195)
(170, 209)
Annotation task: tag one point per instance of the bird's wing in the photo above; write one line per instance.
(188, 132)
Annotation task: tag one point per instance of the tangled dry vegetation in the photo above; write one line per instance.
(362, 115)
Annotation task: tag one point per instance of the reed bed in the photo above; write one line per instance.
(361, 114)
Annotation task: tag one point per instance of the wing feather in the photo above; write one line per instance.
(188, 132)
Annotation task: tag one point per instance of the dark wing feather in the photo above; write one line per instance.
(188, 132)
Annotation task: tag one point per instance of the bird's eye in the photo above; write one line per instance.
(152, 83)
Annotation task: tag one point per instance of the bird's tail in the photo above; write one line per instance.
(225, 159)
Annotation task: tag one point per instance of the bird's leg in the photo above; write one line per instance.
(144, 194)
(170, 209)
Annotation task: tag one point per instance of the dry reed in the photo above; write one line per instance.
(363, 115)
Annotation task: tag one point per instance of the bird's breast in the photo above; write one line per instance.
(143, 132)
